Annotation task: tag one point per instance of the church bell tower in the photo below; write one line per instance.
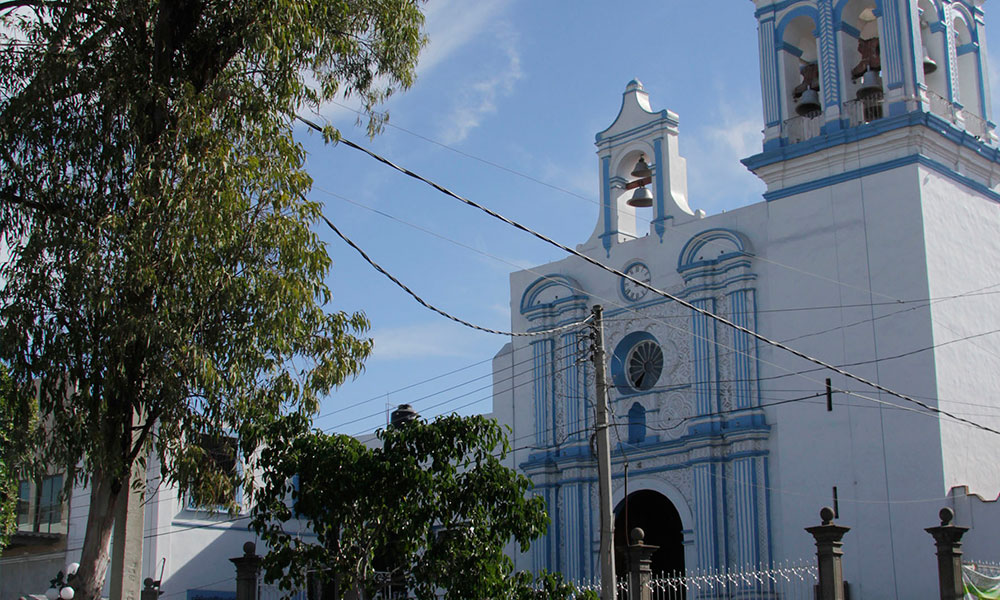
(831, 67)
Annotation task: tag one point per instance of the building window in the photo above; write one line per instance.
(221, 451)
(24, 506)
(644, 365)
(39, 508)
(636, 424)
(637, 364)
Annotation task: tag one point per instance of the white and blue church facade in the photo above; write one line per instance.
(876, 247)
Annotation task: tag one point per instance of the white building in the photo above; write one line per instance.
(876, 247)
(185, 547)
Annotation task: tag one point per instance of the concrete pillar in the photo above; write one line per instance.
(828, 537)
(126, 549)
(247, 572)
(948, 539)
(640, 573)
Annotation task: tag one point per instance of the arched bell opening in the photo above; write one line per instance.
(861, 58)
(657, 516)
(636, 195)
(934, 52)
(968, 68)
(800, 68)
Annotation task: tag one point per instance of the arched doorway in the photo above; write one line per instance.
(659, 519)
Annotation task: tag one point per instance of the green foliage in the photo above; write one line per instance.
(16, 415)
(162, 261)
(433, 506)
(162, 258)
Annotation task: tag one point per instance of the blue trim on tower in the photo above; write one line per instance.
(606, 192)
(967, 48)
(861, 132)
(828, 44)
(658, 225)
(932, 164)
(787, 18)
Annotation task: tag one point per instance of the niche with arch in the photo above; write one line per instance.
(860, 59)
(629, 215)
(800, 68)
(967, 50)
(933, 38)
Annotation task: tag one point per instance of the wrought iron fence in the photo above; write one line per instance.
(988, 568)
(864, 110)
(799, 129)
(788, 581)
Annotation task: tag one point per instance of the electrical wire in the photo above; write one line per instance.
(661, 318)
(426, 304)
(657, 291)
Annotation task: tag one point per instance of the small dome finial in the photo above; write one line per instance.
(633, 85)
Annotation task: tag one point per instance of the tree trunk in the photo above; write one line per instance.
(104, 495)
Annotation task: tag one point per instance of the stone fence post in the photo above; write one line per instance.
(247, 572)
(150, 590)
(828, 554)
(640, 572)
(948, 539)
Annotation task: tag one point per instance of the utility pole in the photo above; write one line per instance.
(608, 582)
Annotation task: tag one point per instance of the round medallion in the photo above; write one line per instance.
(631, 290)
(644, 365)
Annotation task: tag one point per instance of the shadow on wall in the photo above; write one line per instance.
(198, 564)
(29, 574)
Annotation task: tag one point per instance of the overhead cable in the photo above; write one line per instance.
(643, 284)
(426, 304)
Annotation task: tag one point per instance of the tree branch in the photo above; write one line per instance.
(8, 196)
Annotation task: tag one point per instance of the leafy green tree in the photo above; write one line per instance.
(164, 283)
(16, 414)
(432, 507)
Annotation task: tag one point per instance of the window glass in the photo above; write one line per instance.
(49, 506)
(24, 505)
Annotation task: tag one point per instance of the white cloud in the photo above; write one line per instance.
(716, 178)
(480, 98)
(424, 340)
(450, 24)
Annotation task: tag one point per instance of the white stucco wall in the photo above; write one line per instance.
(843, 274)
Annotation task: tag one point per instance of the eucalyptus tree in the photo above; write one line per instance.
(16, 414)
(164, 284)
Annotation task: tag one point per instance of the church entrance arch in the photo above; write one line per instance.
(660, 521)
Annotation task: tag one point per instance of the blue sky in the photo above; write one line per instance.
(508, 98)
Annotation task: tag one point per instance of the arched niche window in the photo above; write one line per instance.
(800, 67)
(636, 424)
(633, 181)
(861, 60)
(933, 41)
(968, 67)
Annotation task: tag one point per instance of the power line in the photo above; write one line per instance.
(426, 304)
(663, 293)
(924, 302)
(639, 217)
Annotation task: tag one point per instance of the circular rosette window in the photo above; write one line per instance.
(637, 363)
(644, 365)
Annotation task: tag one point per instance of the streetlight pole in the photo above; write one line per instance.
(608, 582)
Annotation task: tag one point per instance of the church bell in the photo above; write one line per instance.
(641, 169)
(641, 198)
(808, 103)
(929, 65)
(871, 86)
